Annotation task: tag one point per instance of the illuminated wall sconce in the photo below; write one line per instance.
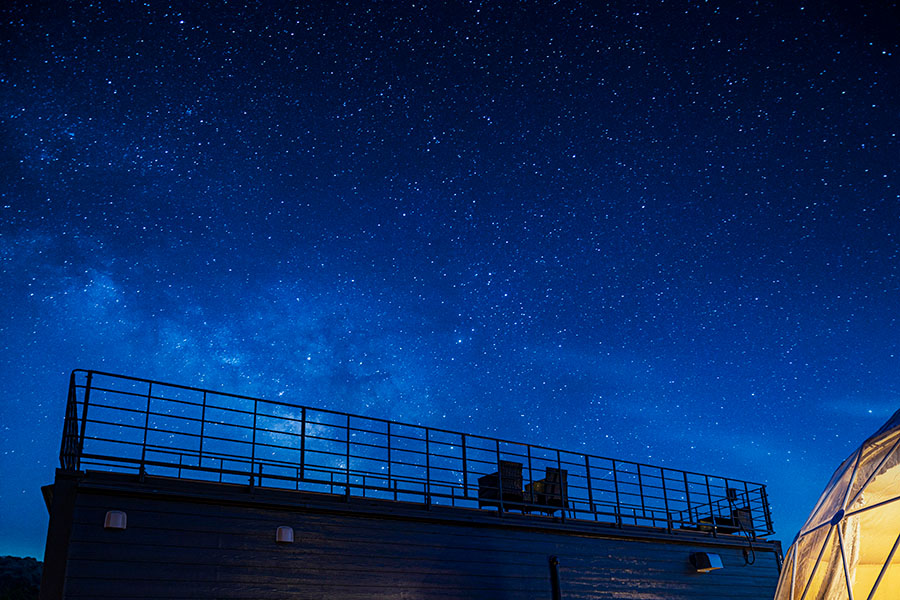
(115, 519)
(705, 562)
(284, 535)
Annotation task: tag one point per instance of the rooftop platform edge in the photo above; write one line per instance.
(97, 482)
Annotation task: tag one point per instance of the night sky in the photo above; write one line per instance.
(663, 232)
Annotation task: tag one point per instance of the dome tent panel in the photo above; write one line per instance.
(808, 549)
(832, 499)
(877, 456)
(889, 586)
(883, 487)
(828, 580)
(783, 591)
(891, 424)
(869, 538)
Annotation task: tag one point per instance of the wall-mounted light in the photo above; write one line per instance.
(705, 562)
(115, 519)
(284, 535)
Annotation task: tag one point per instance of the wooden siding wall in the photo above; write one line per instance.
(183, 548)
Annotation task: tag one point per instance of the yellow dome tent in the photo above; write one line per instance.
(851, 542)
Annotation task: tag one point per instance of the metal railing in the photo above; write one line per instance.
(127, 424)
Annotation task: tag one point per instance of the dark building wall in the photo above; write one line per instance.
(211, 541)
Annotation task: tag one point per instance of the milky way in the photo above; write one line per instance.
(663, 232)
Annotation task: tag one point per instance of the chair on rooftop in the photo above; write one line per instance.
(509, 476)
(550, 493)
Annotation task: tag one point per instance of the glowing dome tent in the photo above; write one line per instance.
(851, 541)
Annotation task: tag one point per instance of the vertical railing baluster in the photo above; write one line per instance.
(301, 473)
(347, 455)
(764, 497)
(712, 510)
(465, 468)
(641, 491)
(427, 468)
(662, 474)
(202, 433)
(687, 495)
(499, 479)
(253, 446)
(618, 501)
(84, 414)
(67, 446)
(391, 483)
(563, 489)
(146, 426)
(590, 486)
(530, 477)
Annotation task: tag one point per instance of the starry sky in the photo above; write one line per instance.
(657, 231)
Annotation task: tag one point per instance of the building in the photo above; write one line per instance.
(174, 491)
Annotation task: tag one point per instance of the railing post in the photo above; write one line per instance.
(530, 477)
(765, 501)
(687, 495)
(563, 489)
(465, 467)
(84, 414)
(616, 487)
(427, 468)
(143, 470)
(301, 473)
(590, 486)
(712, 510)
(69, 445)
(391, 483)
(347, 455)
(202, 431)
(499, 480)
(253, 446)
(641, 490)
(662, 474)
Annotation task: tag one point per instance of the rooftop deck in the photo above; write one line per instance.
(126, 424)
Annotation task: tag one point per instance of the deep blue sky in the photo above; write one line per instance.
(664, 232)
